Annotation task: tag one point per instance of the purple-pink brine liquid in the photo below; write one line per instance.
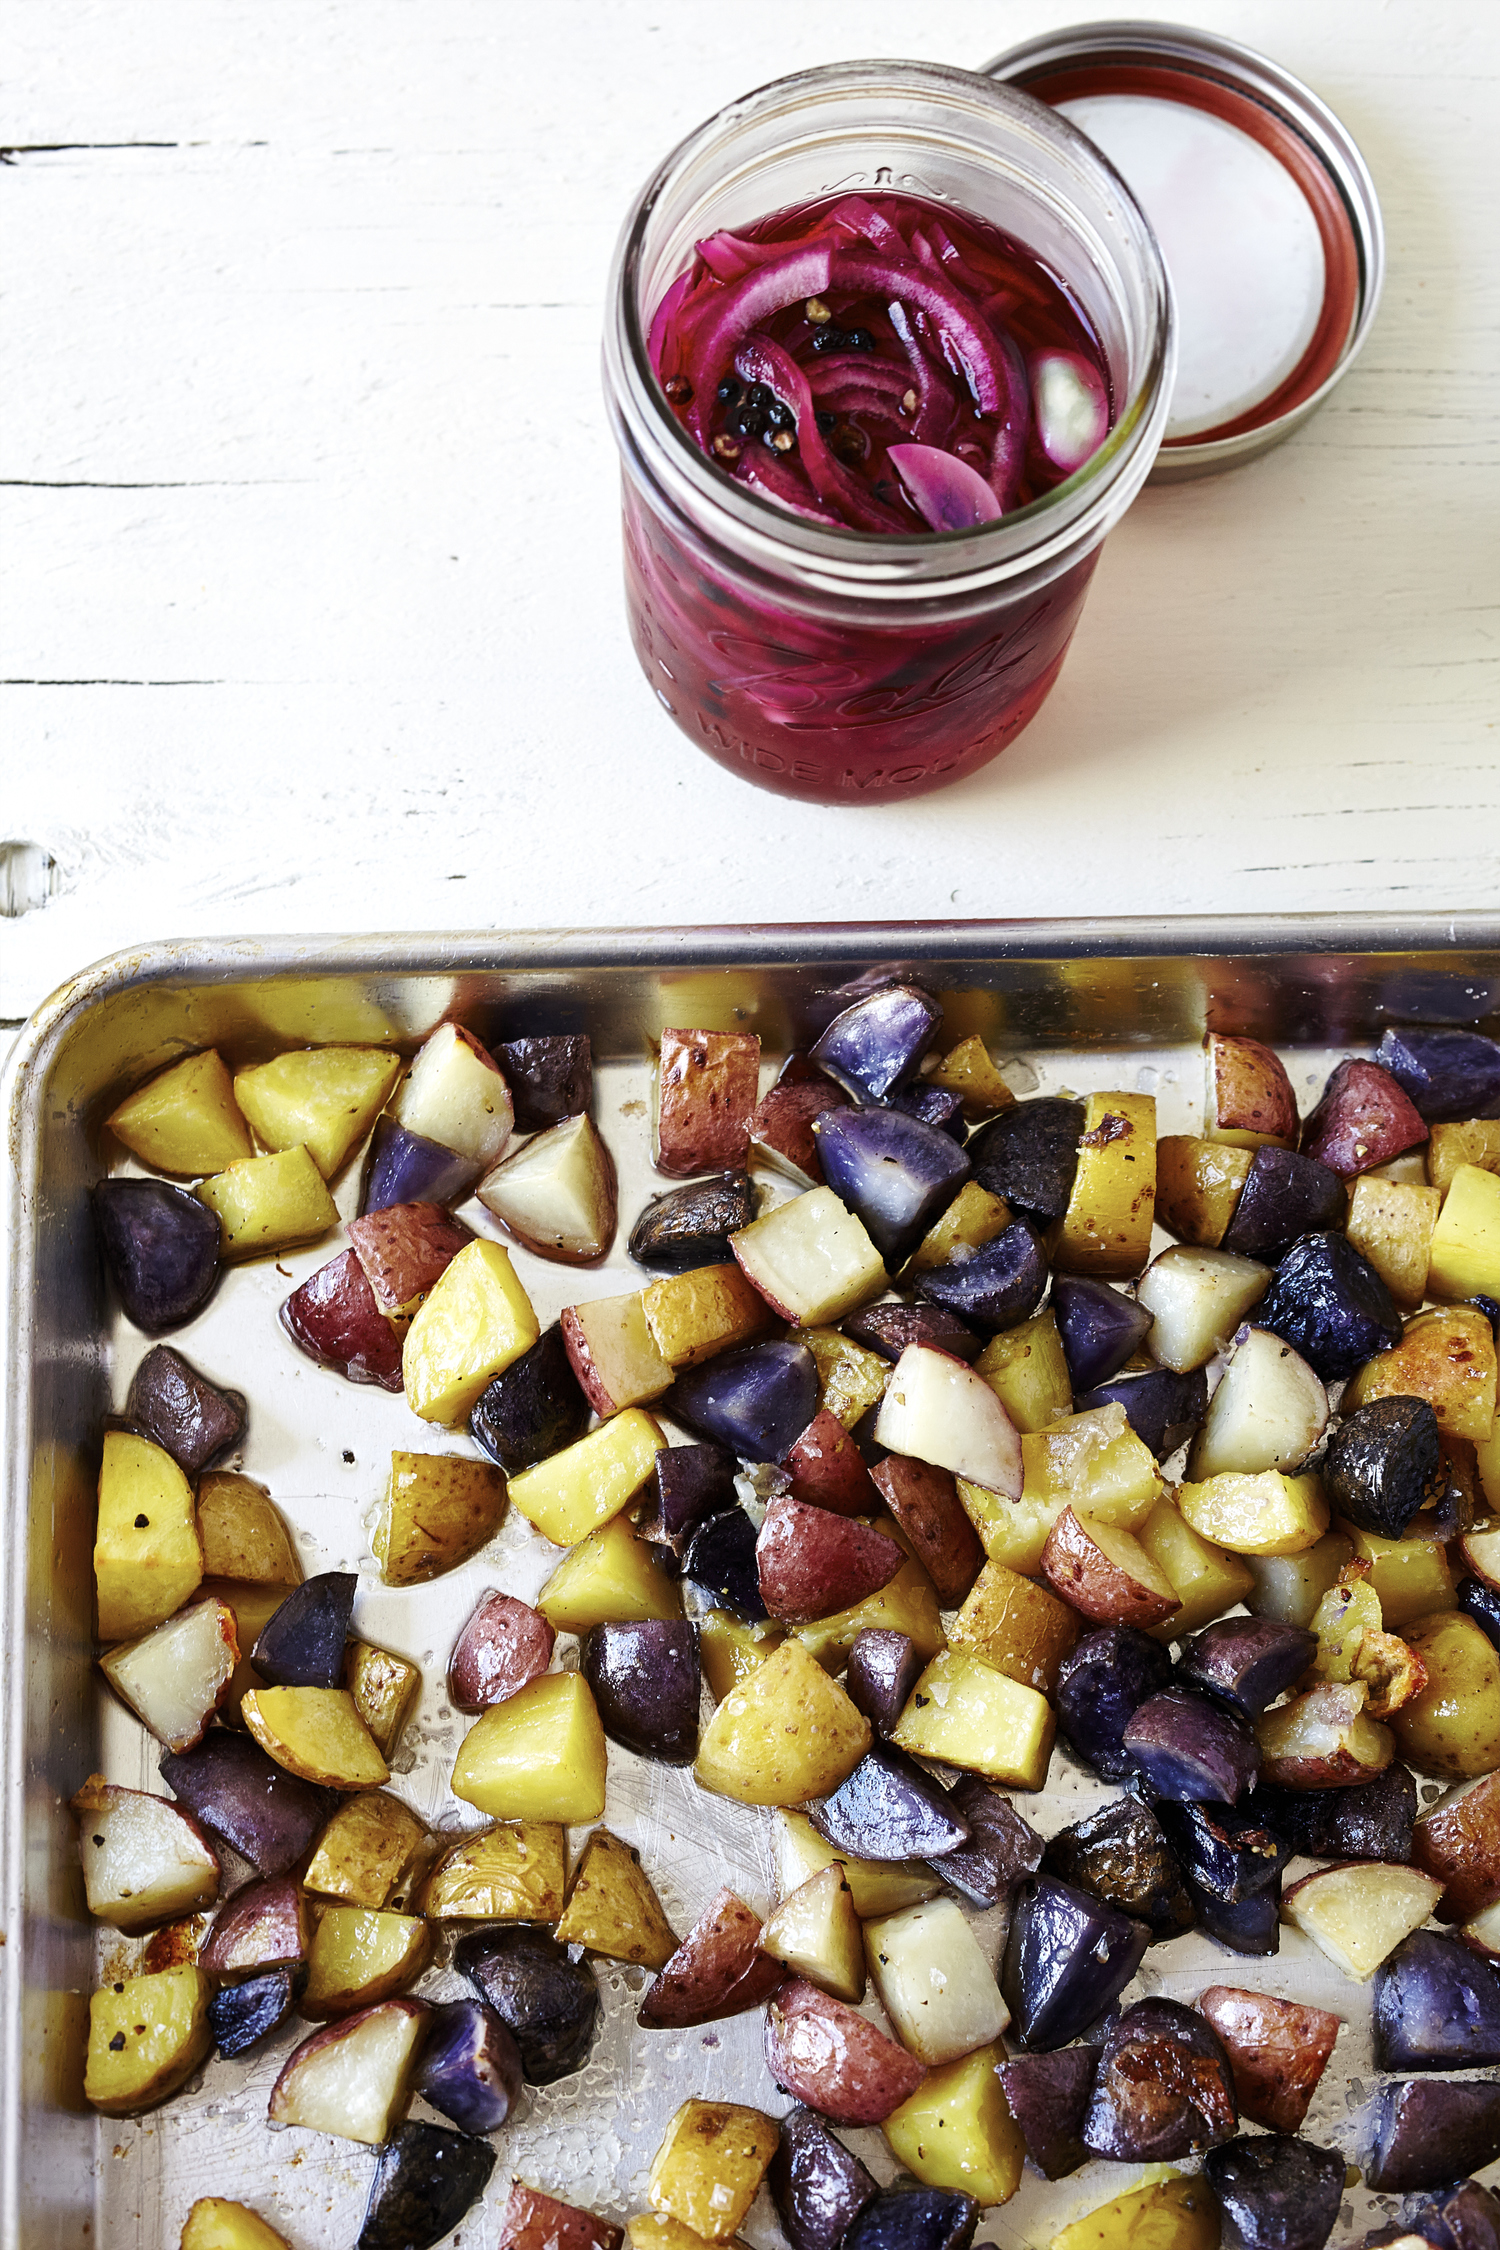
(890, 366)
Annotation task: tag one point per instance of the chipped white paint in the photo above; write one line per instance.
(308, 484)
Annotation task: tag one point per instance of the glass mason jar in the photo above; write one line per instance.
(839, 666)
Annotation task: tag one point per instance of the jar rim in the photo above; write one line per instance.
(1048, 530)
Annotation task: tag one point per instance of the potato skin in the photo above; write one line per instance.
(718, 1970)
(834, 2060)
(1277, 2049)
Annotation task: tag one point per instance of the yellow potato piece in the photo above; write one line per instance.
(359, 1958)
(1017, 1626)
(253, 1608)
(317, 1733)
(184, 1121)
(384, 1688)
(1473, 1140)
(878, 1886)
(1391, 1223)
(1465, 1259)
(509, 1873)
(612, 1908)
(1268, 1514)
(956, 2130)
(147, 1555)
(324, 1099)
(1446, 1357)
(652, 2230)
(908, 1604)
(540, 1755)
(1453, 1726)
(692, 1316)
(1095, 1464)
(1106, 1229)
(852, 1379)
(610, 1578)
(213, 2224)
(785, 1734)
(267, 1204)
(1173, 2214)
(440, 1508)
(146, 2038)
(1198, 1184)
(1026, 1370)
(573, 1492)
(710, 2165)
(242, 1535)
(964, 1713)
(967, 1070)
(973, 1218)
(474, 1321)
(367, 1850)
(816, 1932)
(1410, 1576)
(730, 1649)
(1206, 1578)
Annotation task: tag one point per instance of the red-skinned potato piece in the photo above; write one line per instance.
(706, 1085)
(533, 2221)
(264, 1926)
(1458, 1840)
(828, 1470)
(718, 1970)
(505, 1644)
(1277, 2049)
(1248, 1091)
(1105, 1573)
(924, 1501)
(835, 2060)
(1364, 1119)
(813, 1563)
(781, 1131)
(405, 1248)
(334, 1318)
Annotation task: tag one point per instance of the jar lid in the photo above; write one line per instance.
(1264, 208)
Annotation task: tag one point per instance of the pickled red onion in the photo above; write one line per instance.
(768, 289)
(947, 494)
(1072, 411)
(758, 360)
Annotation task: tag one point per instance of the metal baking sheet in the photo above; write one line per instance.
(1071, 1005)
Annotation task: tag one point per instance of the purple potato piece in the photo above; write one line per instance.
(533, 1409)
(1191, 1750)
(1002, 1850)
(302, 1643)
(1000, 1284)
(1330, 1305)
(934, 1105)
(890, 1326)
(1276, 2193)
(1435, 2006)
(1099, 1328)
(721, 1558)
(182, 1411)
(405, 1167)
(1247, 1661)
(1373, 1820)
(269, 1816)
(1067, 1957)
(1028, 1155)
(1246, 1925)
(161, 1246)
(818, 2186)
(471, 2067)
(647, 1684)
(757, 1401)
(691, 1225)
(1444, 1074)
(884, 1667)
(1163, 2088)
(1467, 2218)
(426, 2178)
(689, 1484)
(1482, 1603)
(241, 2015)
(550, 1078)
(1223, 1849)
(873, 1047)
(1119, 1854)
(1161, 1407)
(890, 1808)
(1101, 1683)
(894, 1173)
(1427, 2131)
(334, 1318)
(1285, 1195)
(915, 2218)
(1047, 2096)
(1384, 1463)
(548, 2003)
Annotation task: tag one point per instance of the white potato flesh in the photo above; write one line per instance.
(351, 2079)
(1269, 1411)
(1197, 1299)
(557, 1193)
(1359, 1914)
(175, 1678)
(613, 1354)
(936, 1409)
(816, 1932)
(810, 1259)
(144, 1862)
(1481, 1551)
(934, 1982)
(1483, 1932)
(454, 1095)
(1290, 1587)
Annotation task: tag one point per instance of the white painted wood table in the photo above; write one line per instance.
(311, 616)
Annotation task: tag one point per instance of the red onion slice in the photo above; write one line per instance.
(1072, 410)
(937, 402)
(774, 478)
(968, 338)
(835, 370)
(730, 256)
(758, 360)
(869, 225)
(947, 494)
(665, 314)
(768, 289)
